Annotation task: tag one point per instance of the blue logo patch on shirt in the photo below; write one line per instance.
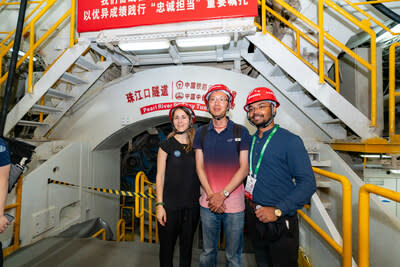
(177, 153)
(2, 148)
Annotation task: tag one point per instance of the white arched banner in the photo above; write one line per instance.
(142, 100)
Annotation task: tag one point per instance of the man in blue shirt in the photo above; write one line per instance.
(4, 173)
(221, 166)
(281, 180)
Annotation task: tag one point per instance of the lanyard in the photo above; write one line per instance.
(262, 151)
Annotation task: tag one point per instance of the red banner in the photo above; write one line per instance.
(96, 15)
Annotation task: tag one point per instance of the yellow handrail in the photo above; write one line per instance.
(362, 24)
(321, 232)
(392, 89)
(123, 206)
(4, 3)
(102, 231)
(25, 20)
(34, 45)
(17, 223)
(363, 218)
(121, 230)
(346, 249)
(140, 181)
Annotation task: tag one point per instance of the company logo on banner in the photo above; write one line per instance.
(95, 15)
(190, 92)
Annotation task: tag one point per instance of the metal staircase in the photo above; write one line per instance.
(320, 102)
(59, 101)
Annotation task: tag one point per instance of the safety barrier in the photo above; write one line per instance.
(392, 89)
(125, 207)
(140, 183)
(101, 232)
(319, 43)
(345, 251)
(120, 230)
(34, 45)
(105, 190)
(17, 221)
(363, 218)
(5, 3)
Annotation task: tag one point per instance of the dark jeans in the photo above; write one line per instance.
(182, 223)
(275, 245)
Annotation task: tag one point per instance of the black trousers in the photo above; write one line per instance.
(275, 244)
(1, 255)
(181, 223)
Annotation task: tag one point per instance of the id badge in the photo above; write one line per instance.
(250, 183)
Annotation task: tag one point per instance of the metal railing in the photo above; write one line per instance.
(5, 3)
(37, 13)
(121, 230)
(101, 232)
(324, 36)
(345, 251)
(299, 35)
(392, 88)
(124, 207)
(17, 222)
(363, 218)
(141, 183)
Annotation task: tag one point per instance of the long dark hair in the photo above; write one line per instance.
(191, 132)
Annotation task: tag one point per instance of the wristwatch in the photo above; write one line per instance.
(226, 193)
(278, 213)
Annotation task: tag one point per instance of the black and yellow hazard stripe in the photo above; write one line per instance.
(105, 190)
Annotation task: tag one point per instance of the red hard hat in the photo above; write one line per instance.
(185, 107)
(260, 94)
(219, 87)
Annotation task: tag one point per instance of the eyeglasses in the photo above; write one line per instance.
(261, 106)
(219, 99)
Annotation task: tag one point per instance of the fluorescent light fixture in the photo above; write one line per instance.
(144, 45)
(376, 156)
(388, 35)
(203, 41)
(395, 171)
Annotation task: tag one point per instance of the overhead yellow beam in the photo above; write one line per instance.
(374, 145)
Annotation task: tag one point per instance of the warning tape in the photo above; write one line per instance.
(105, 190)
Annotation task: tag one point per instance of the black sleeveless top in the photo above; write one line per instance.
(181, 184)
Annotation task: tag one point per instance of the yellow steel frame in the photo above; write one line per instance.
(123, 206)
(303, 260)
(30, 27)
(17, 223)
(346, 250)
(392, 89)
(363, 218)
(362, 24)
(4, 3)
(299, 34)
(101, 232)
(121, 230)
(373, 145)
(140, 182)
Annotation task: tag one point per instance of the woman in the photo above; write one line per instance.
(178, 188)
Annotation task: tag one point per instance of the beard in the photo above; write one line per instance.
(260, 123)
